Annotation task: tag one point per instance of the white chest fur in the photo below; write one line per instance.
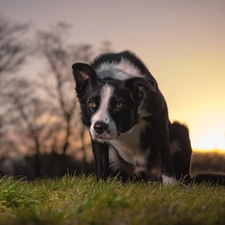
(128, 145)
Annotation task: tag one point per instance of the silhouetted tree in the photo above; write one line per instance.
(57, 82)
(25, 115)
(13, 50)
(41, 116)
(13, 53)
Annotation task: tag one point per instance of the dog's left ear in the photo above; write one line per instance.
(84, 76)
(140, 87)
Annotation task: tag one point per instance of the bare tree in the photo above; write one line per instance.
(58, 84)
(26, 117)
(13, 53)
(42, 117)
(13, 50)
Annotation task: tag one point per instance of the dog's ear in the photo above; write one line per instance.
(141, 87)
(84, 75)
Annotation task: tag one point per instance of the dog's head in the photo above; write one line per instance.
(110, 106)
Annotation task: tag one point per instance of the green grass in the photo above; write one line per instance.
(81, 200)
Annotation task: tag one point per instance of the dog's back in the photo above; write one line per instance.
(120, 66)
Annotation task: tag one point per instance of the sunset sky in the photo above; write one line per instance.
(181, 42)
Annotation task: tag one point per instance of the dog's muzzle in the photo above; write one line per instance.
(103, 130)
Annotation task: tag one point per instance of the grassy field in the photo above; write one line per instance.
(81, 200)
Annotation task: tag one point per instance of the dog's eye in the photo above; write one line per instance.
(92, 104)
(119, 105)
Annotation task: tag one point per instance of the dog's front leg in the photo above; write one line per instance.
(101, 156)
(161, 130)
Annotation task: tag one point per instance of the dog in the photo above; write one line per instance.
(127, 118)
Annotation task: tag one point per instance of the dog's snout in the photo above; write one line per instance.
(100, 127)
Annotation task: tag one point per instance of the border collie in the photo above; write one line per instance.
(127, 118)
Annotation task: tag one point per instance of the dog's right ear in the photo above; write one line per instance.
(84, 76)
(140, 87)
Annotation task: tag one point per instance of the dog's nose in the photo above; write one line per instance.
(100, 127)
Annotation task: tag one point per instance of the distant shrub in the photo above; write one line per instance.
(208, 162)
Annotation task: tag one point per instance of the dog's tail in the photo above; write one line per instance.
(180, 148)
(181, 151)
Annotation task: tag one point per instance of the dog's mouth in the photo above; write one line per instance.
(105, 137)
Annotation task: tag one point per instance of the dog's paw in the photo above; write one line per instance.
(168, 180)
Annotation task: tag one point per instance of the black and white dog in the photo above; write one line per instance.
(127, 118)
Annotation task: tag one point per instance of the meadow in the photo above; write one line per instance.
(81, 200)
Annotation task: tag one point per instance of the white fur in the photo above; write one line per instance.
(120, 71)
(168, 180)
(102, 114)
(128, 146)
(116, 162)
(114, 159)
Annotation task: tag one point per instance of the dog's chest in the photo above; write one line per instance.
(129, 145)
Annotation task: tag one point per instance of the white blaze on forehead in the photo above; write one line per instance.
(126, 66)
(102, 113)
(121, 71)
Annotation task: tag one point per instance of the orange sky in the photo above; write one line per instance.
(181, 42)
